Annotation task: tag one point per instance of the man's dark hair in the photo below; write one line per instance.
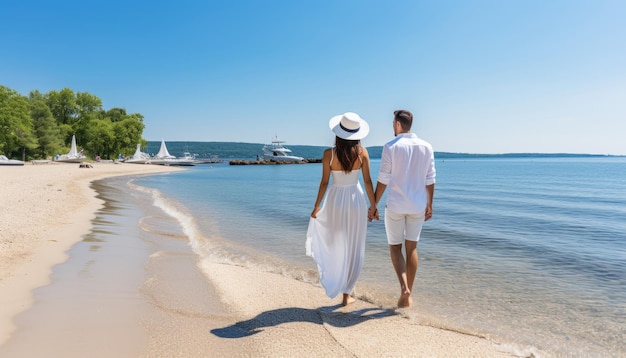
(405, 118)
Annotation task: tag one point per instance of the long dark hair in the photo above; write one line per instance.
(347, 152)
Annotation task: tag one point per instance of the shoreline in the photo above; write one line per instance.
(50, 208)
(285, 317)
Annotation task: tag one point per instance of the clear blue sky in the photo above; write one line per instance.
(500, 76)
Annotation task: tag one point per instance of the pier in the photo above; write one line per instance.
(273, 162)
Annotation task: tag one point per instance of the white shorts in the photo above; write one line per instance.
(400, 227)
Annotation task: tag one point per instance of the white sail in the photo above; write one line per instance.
(139, 157)
(73, 156)
(138, 151)
(73, 152)
(164, 157)
(163, 153)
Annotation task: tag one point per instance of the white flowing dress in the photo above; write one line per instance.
(336, 238)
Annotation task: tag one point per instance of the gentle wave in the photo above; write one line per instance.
(215, 249)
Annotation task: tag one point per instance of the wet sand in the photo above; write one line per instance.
(142, 298)
(46, 209)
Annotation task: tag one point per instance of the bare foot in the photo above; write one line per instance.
(347, 300)
(405, 299)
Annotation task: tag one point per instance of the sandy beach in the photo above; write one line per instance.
(216, 310)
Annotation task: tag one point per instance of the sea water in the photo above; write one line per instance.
(530, 252)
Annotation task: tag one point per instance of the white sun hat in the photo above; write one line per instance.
(349, 126)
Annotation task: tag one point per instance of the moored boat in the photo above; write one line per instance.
(12, 162)
(139, 157)
(74, 156)
(277, 152)
(163, 157)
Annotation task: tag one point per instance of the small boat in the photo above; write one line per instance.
(277, 152)
(13, 162)
(163, 157)
(73, 156)
(187, 155)
(139, 157)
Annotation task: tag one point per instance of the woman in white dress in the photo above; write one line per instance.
(336, 232)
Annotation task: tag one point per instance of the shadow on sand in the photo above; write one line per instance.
(294, 314)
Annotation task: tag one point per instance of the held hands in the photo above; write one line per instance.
(372, 213)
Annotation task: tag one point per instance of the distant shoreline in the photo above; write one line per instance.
(236, 150)
(523, 155)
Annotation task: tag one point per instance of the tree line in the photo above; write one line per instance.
(41, 125)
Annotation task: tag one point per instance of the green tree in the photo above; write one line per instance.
(16, 128)
(137, 116)
(35, 95)
(128, 134)
(74, 112)
(116, 114)
(43, 124)
(66, 132)
(63, 106)
(89, 108)
(100, 138)
(87, 103)
(45, 128)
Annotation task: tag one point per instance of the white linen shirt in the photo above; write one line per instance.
(407, 166)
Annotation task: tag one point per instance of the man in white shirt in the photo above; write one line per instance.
(407, 168)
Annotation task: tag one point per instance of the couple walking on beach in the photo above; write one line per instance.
(337, 229)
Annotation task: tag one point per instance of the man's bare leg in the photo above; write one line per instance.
(399, 265)
(347, 299)
(411, 265)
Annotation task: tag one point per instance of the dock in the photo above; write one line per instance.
(273, 162)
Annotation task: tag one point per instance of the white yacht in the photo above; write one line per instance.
(277, 152)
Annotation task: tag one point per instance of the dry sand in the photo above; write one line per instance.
(217, 310)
